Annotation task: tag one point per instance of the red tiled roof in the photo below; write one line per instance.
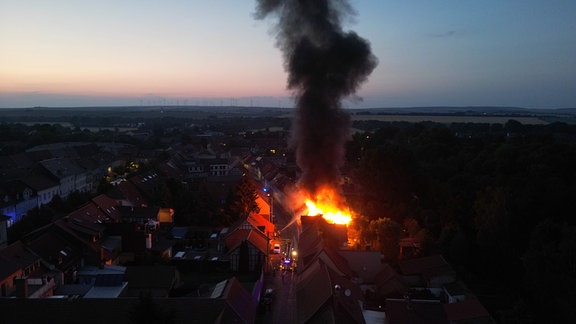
(15, 257)
(108, 206)
(259, 220)
(254, 237)
(89, 213)
(131, 193)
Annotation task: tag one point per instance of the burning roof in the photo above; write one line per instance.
(324, 65)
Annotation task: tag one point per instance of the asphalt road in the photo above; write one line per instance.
(283, 307)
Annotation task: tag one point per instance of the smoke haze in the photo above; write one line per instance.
(324, 65)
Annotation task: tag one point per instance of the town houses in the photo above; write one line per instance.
(122, 256)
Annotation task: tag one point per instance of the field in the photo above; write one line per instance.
(443, 115)
(526, 120)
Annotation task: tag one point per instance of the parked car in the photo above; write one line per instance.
(266, 300)
(276, 248)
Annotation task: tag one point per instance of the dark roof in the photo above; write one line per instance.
(365, 264)
(22, 160)
(421, 265)
(170, 169)
(311, 247)
(347, 296)
(389, 282)
(468, 309)
(15, 257)
(219, 187)
(155, 276)
(62, 167)
(39, 182)
(7, 163)
(335, 262)
(79, 228)
(320, 289)
(141, 213)
(54, 249)
(239, 301)
(313, 290)
(309, 244)
(131, 193)
(401, 311)
(146, 183)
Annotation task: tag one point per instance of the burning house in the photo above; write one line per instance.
(325, 64)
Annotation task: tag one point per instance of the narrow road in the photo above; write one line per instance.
(283, 308)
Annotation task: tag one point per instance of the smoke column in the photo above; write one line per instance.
(324, 65)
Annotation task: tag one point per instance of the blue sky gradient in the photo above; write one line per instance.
(431, 53)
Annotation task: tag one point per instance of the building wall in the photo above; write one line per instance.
(254, 255)
(7, 286)
(66, 186)
(45, 196)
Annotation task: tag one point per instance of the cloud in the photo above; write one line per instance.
(449, 33)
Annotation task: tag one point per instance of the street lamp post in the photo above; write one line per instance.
(270, 203)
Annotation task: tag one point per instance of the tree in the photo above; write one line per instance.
(550, 277)
(389, 174)
(491, 216)
(241, 201)
(387, 233)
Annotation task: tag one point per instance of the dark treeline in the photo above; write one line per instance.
(498, 201)
(16, 137)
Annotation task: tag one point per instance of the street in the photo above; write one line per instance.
(283, 282)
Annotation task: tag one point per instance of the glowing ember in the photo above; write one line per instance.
(327, 205)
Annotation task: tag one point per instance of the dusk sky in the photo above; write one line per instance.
(141, 52)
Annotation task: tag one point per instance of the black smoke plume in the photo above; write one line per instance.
(324, 65)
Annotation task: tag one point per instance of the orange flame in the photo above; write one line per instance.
(327, 204)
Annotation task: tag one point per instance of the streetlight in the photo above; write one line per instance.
(270, 202)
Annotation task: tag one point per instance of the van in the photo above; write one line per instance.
(276, 248)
